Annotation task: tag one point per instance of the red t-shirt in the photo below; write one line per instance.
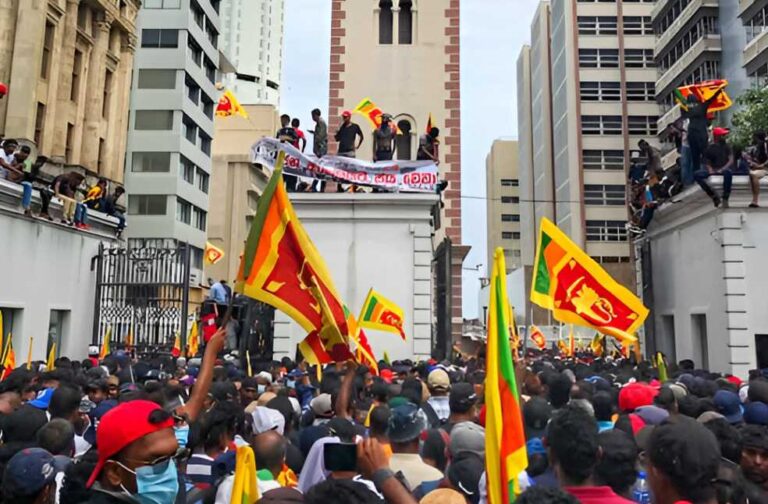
(597, 495)
(299, 136)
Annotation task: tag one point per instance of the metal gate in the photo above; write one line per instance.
(143, 291)
(442, 339)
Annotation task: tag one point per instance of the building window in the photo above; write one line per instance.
(57, 326)
(193, 90)
(606, 230)
(77, 70)
(637, 25)
(70, 143)
(45, 64)
(100, 157)
(157, 79)
(202, 180)
(603, 159)
(189, 129)
(196, 257)
(510, 218)
(601, 125)
(107, 98)
(510, 199)
(506, 235)
(154, 120)
(509, 182)
(186, 170)
(11, 321)
(183, 211)
(199, 218)
(206, 105)
(197, 14)
(405, 23)
(39, 123)
(599, 58)
(638, 58)
(159, 39)
(643, 125)
(601, 91)
(386, 21)
(602, 195)
(151, 162)
(403, 140)
(597, 25)
(161, 4)
(641, 91)
(195, 52)
(143, 204)
(210, 70)
(205, 143)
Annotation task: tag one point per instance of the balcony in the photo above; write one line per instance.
(674, 29)
(756, 47)
(710, 43)
(748, 8)
(658, 7)
(668, 118)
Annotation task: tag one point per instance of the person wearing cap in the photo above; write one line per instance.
(574, 452)
(682, 462)
(437, 407)
(136, 452)
(347, 135)
(30, 477)
(384, 139)
(536, 415)
(729, 405)
(754, 454)
(718, 159)
(405, 426)
(463, 403)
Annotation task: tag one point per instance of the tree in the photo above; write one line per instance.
(751, 117)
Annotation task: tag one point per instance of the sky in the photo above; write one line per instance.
(490, 45)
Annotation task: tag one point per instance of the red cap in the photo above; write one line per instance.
(346, 113)
(121, 426)
(720, 131)
(3, 89)
(636, 422)
(386, 375)
(635, 395)
(735, 380)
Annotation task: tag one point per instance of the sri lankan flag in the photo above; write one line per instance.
(538, 337)
(578, 291)
(282, 267)
(505, 455)
(380, 313)
(703, 91)
(229, 105)
(373, 113)
(245, 489)
(213, 254)
(9, 358)
(193, 340)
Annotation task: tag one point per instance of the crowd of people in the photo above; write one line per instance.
(349, 137)
(69, 187)
(162, 430)
(703, 151)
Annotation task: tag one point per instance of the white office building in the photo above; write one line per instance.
(168, 162)
(252, 39)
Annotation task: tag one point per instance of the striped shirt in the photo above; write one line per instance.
(200, 470)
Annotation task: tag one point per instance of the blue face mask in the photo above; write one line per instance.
(290, 383)
(261, 388)
(182, 435)
(157, 484)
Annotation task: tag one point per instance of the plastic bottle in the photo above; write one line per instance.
(641, 492)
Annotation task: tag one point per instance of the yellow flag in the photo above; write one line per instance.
(244, 488)
(193, 340)
(50, 366)
(229, 106)
(248, 358)
(29, 353)
(105, 344)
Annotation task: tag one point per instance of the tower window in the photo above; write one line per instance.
(385, 21)
(405, 22)
(403, 141)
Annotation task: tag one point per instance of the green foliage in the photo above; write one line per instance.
(751, 117)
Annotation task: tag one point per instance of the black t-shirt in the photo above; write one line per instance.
(287, 134)
(717, 155)
(346, 136)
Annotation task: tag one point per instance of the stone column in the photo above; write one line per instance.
(21, 101)
(64, 105)
(120, 115)
(95, 92)
(8, 22)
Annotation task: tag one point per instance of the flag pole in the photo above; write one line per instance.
(29, 353)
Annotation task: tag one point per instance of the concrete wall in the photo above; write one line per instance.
(372, 240)
(502, 163)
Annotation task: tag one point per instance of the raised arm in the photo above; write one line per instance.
(345, 393)
(195, 404)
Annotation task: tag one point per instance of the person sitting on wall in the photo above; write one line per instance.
(718, 159)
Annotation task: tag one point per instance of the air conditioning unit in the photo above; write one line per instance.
(195, 277)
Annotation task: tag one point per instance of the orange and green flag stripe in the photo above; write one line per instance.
(380, 313)
(505, 449)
